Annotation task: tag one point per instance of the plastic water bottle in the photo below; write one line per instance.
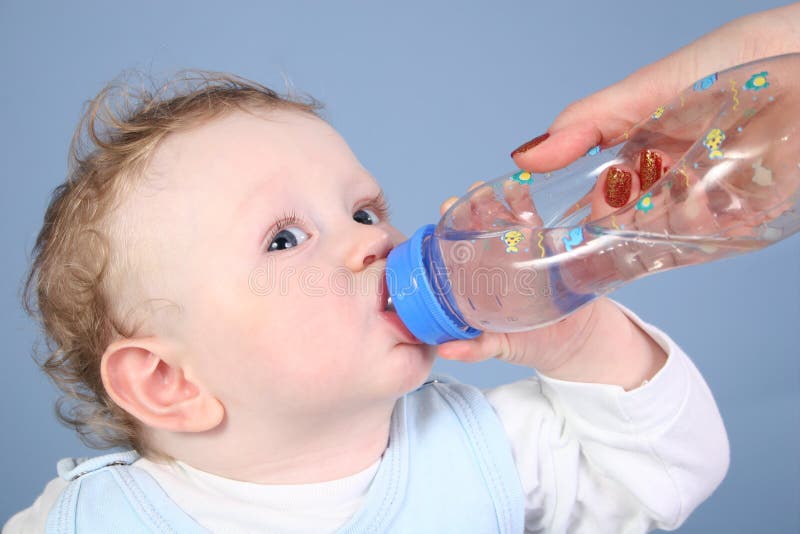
(522, 252)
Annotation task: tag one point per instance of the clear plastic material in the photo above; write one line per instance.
(522, 251)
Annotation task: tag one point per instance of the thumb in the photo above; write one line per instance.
(559, 149)
(487, 345)
(599, 119)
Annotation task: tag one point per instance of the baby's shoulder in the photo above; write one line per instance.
(442, 398)
(528, 391)
(110, 490)
(444, 387)
(70, 469)
(63, 489)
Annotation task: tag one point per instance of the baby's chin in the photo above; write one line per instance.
(420, 364)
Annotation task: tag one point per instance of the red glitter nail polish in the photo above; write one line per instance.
(530, 144)
(617, 187)
(649, 168)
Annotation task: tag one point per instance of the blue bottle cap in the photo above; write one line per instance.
(422, 308)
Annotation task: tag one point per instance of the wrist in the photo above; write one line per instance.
(614, 350)
(766, 33)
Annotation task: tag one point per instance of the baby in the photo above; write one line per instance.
(210, 277)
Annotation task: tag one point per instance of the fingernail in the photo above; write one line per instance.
(680, 187)
(618, 187)
(649, 168)
(530, 144)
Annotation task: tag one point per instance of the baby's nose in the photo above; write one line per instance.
(370, 244)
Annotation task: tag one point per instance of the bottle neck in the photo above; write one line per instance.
(439, 275)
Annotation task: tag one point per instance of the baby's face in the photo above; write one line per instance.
(270, 239)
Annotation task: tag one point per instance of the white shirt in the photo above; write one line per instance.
(292, 508)
(592, 458)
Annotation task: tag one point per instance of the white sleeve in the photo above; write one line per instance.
(595, 458)
(34, 519)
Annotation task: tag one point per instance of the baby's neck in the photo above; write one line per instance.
(289, 453)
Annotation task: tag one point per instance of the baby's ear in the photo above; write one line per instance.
(138, 377)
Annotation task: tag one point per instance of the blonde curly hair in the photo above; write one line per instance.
(67, 288)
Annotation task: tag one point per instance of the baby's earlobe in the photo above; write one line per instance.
(154, 391)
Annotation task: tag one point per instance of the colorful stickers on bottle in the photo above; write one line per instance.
(523, 177)
(713, 142)
(757, 82)
(705, 83)
(512, 239)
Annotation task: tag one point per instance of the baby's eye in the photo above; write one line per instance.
(366, 216)
(287, 238)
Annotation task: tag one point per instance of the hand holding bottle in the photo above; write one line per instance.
(597, 343)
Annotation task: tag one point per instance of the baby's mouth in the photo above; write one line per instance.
(389, 314)
(384, 296)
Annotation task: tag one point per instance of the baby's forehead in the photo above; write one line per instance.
(226, 161)
(239, 135)
(248, 145)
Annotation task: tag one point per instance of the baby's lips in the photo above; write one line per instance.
(383, 291)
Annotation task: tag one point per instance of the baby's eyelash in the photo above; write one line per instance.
(380, 205)
(284, 221)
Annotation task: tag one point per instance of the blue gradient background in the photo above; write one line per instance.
(431, 96)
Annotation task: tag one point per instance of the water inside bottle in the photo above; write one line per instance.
(534, 277)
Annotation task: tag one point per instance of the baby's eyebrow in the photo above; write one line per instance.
(366, 194)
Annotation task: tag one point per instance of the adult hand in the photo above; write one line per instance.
(608, 114)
